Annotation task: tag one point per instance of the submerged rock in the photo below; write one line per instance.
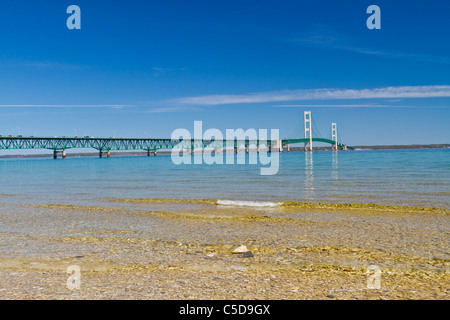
(247, 254)
(238, 268)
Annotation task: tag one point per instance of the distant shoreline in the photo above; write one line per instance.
(412, 146)
(292, 149)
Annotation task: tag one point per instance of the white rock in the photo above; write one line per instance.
(240, 249)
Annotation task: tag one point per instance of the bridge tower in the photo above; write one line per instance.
(308, 132)
(334, 136)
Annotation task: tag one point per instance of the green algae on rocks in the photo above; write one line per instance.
(361, 206)
(201, 201)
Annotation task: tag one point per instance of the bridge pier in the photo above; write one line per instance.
(101, 152)
(55, 154)
(280, 145)
(308, 146)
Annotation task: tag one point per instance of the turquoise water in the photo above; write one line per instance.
(401, 177)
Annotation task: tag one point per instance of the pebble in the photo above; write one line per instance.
(241, 249)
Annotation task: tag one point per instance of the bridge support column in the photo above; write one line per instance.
(334, 147)
(148, 153)
(288, 148)
(55, 154)
(64, 154)
(280, 145)
(108, 154)
(100, 153)
(308, 128)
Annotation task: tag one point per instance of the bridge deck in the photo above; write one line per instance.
(148, 144)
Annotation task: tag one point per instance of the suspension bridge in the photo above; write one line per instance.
(104, 146)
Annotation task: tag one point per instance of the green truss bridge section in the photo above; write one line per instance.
(150, 145)
(301, 140)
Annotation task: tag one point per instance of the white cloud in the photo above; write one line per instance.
(320, 94)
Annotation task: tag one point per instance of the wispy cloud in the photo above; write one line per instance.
(115, 106)
(325, 37)
(158, 71)
(45, 65)
(173, 109)
(348, 106)
(320, 94)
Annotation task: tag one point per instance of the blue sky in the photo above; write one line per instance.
(138, 69)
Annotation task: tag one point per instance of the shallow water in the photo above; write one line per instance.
(399, 177)
(144, 213)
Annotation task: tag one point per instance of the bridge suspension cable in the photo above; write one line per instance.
(339, 137)
(296, 133)
(316, 131)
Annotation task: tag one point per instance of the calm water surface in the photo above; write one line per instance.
(402, 177)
